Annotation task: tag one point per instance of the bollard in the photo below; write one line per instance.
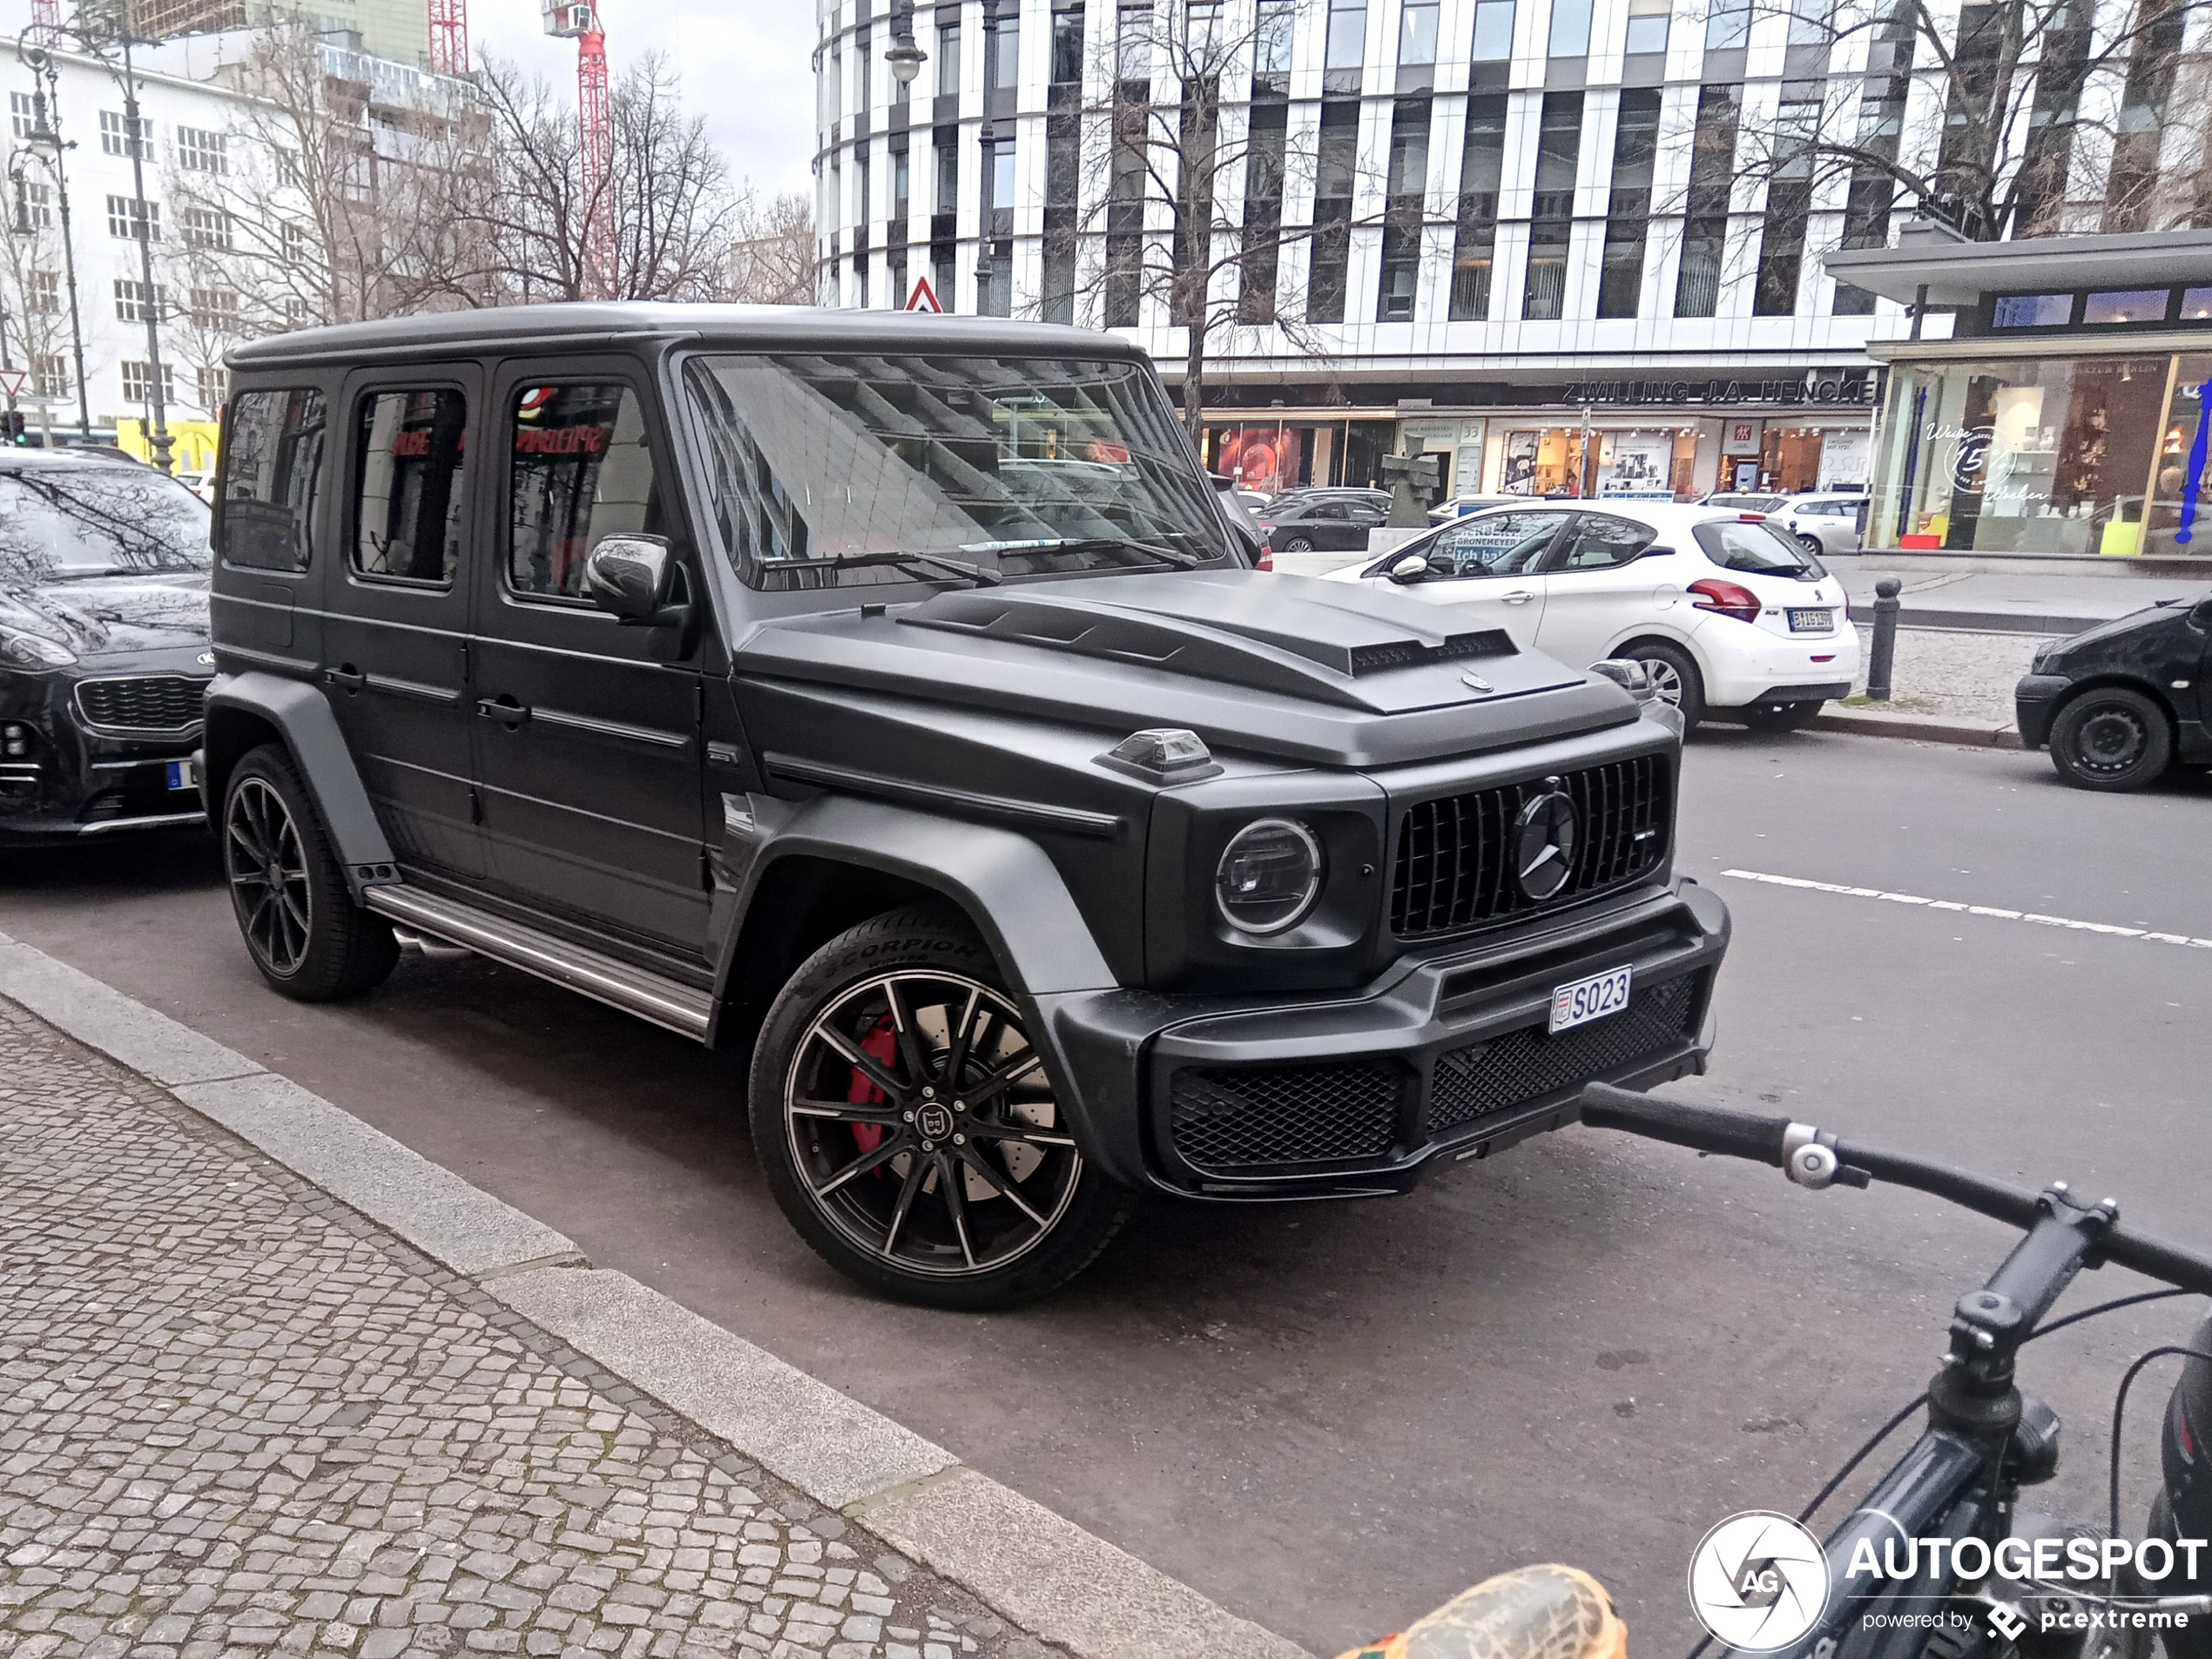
(1884, 649)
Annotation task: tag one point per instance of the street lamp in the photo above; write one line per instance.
(45, 136)
(905, 57)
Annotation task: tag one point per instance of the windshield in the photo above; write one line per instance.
(1756, 549)
(1022, 465)
(60, 523)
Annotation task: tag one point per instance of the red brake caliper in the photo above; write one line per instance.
(881, 1045)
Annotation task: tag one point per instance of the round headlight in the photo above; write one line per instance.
(1269, 876)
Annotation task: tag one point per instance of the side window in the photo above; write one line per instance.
(1599, 544)
(272, 465)
(407, 521)
(1333, 511)
(1369, 513)
(1493, 544)
(582, 470)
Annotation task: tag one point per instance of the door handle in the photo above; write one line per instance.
(346, 675)
(1518, 597)
(504, 709)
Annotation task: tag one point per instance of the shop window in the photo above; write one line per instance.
(2033, 311)
(2131, 305)
(1543, 463)
(1638, 463)
(2197, 305)
(2179, 517)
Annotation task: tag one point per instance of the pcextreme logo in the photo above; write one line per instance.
(1758, 1582)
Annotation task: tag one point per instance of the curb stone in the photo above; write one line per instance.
(1031, 1565)
(1866, 723)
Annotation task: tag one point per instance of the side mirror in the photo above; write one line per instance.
(1407, 571)
(2200, 618)
(631, 577)
(1631, 674)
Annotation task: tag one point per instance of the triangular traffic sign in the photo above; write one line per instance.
(924, 298)
(11, 381)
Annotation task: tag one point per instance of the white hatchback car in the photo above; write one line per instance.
(1734, 617)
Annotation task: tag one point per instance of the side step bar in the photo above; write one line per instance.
(683, 1009)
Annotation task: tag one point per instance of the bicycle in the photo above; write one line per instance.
(1960, 1482)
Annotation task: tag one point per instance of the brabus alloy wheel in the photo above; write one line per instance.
(908, 1129)
(300, 924)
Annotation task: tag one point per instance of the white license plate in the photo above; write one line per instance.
(1813, 621)
(183, 775)
(1590, 999)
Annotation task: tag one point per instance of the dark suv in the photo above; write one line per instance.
(886, 695)
(104, 653)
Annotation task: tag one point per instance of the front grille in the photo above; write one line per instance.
(1234, 1119)
(142, 702)
(1531, 1062)
(1454, 866)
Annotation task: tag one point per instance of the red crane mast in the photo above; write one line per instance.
(449, 35)
(573, 19)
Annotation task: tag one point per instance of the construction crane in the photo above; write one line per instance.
(575, 20)
(449, 35)
(46, 14)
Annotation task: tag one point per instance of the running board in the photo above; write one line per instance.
(683, 1009)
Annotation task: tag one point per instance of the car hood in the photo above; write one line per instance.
(1283, 666)
(110, 616)
(2136, 622)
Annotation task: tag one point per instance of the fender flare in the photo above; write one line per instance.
(302, 718)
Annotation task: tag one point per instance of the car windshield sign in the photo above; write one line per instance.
(61, 524)
(1028, 466)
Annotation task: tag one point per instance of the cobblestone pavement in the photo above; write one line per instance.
(1966, 676)
(236, 1418)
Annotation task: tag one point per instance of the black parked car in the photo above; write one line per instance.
(2118, 704)
(103, 652)
(1322, 520)
(885, 696)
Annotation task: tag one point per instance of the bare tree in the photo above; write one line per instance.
(32, 292)
(1979, 116)
(773, 260)
(1183, 193)
(674, 210)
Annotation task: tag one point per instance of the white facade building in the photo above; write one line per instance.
(1538, 246)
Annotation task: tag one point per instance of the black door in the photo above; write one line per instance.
(586, 743)
(396, 653)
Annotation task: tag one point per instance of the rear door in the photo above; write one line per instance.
(396, 655)
(588, 745)
(1598, 587)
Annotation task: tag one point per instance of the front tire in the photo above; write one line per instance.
(905, 1124)
(306, 937)
(2111, 739)
(1675, 678)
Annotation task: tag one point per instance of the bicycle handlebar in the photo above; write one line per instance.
(1769, 1140)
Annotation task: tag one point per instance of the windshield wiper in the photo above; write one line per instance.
(960, 570)
(1177, 557)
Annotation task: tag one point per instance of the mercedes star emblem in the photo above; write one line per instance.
(1545, 839)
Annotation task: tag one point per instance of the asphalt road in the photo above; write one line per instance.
(1590, 1351)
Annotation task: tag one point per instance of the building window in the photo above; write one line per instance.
(948, 58)
(131, 301)
(1789, 199)
(1068, 45)
(863, 197)
(2197, 304)
(1636, 150)
(1345, 48)
(34, 206)
(1881, 129)
(1492, 31)
(1482, 162)
(998, 203)
(1712, 177)
(1002, 53)
(200, 150)
(1403, 214)
(1330, 261)
(50, 376)
(1647, 26)
(2134, 305)
(1417, 32)
(214, 309)
(23, 111)
(1570, 29)
(138, 381)
(1271, 38)
(1727, 26)
(206, 227)
(901, 193)
(123, 220)
(1258, 268)
(1551, 226)
(863, 70)
(120, 137)
(293, 240)
(46, 293)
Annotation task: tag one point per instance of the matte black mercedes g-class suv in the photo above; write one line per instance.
(888, 694)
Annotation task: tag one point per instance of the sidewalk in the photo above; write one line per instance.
(2009, 603)
(240, 1418)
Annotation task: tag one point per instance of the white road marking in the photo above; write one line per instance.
(1997, 912)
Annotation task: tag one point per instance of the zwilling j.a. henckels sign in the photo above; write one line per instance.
(1859, 386)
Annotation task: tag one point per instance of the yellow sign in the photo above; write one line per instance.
(191, 443)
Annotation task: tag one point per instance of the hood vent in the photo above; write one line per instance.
(1373, 659)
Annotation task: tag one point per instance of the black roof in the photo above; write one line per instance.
(754, 327)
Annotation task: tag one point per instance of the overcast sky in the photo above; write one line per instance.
(743, 63)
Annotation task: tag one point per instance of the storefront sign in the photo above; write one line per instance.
(1742, 438)
(1844, 390)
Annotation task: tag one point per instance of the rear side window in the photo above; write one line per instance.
(1756, 549)
(583, 470)
(272, 463)
(406, 522)
(1599, 543)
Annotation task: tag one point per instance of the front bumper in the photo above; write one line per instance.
(2035, 703)
(78, 782)
(1447, 1058)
